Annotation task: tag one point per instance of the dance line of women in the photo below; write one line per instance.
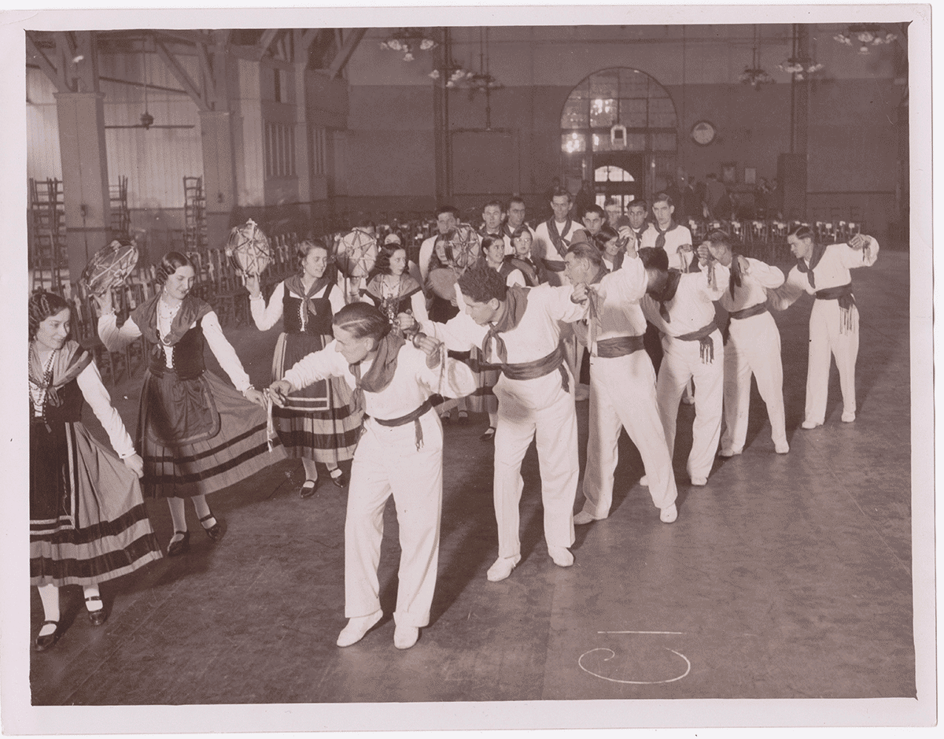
(355, 382)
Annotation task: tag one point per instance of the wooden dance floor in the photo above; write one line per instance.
(785, 577)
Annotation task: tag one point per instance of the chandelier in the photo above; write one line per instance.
(800, 67)
(755, 75)
(453, 73)
(865, 35)
(408, 40)
(479, 82)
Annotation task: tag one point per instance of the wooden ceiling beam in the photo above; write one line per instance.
(345, 52)
(180, 74)
(45, 65)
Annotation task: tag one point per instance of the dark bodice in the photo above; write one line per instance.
(188, 355)
(319, 316)
(69, 409)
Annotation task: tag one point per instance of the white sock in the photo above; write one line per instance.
(178, 515)
(91, 591)
(202, 508)
(49, 595)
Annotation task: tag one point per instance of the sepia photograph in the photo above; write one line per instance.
(473, 368)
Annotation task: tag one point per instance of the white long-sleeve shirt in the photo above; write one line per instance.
(756, 280)
(115, 339)
(692, 307)
(617, 298)
(832, 271)
(266, 316)
(93, 389)
(674, 241)
(543, 245)
(412, 384)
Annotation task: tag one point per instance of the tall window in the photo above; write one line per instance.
(279, 150)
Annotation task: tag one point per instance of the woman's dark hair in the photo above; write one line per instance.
(170, 263)
(384, 255)
(304, 247)
(42, 305)
(362, 319)
(603, 236)
(481, 284)
(488, 241)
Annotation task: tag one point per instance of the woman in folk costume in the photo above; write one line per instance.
(392, 289)
(824, 272)
(399, 454)
(317, 424)
(484, 400)
(197, 435)
(88, 522)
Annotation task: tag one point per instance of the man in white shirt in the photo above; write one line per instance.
(681, 305)
(553, 236)
(752, 346)
(518, 329)
(399, 454)
(823, 271)
(593, 219)
(622, 383)
(492, 217)
(666, 234)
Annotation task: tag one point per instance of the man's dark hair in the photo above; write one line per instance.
(447, 209)
(590, 253)
(653, 258)
(594, 208)
(662, 197)
(481, 284)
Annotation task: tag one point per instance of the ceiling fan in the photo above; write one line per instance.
(147, 120)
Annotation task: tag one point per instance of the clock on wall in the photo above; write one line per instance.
(703, 133)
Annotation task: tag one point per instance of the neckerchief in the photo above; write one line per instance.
(557, 238)
(660, 239)
(68, 363)
(191, 309)
(381, 372)
(528, 268)
(406, 287)
(516, 303)
(506, 230)
(735, 279)
(667, 293)
(295, 285)
(818, 251)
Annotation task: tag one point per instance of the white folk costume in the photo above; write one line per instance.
(834, 320)
(88, 521)
(622, 391)
(535, 401)
(672, 240)
(196, 434)
(399, 454)
(551, 242)
(693, 349)
(752, 347)
(318, 423)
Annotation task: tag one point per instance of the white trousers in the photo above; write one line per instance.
(387, 463)
(623, 395)
(681, 363)
(554, 428)
(753, 348)
(827, 338)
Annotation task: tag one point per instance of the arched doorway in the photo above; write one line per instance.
(619, 130)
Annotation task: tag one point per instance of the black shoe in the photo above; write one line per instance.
(181, 546)
(309, 488)
(97, 618)
(215, 532)
(45, 642)
(339, 477)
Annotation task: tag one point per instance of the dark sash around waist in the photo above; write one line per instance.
(538, 368)
(159, 368)
(703, 337)
(842, 293)
(413, 416)
(619, 346)
(754, 310)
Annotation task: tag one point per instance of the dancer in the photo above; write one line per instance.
(681, 305)
(196, 434)
(823, 271)
(88, 523)
(392, 289)
(622, 383)
(318, 424)
(752, 346)
(399, 454)
(518, 328)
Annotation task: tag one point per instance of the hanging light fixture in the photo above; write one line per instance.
(407, 41)
(865, 36)
(755, 75)
(453, 73)
(800, 65)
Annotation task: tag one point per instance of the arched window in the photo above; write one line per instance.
(616, 120)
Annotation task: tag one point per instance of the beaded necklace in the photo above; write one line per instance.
(165, 320)
(40, 392)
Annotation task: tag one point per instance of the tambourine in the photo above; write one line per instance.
(248, 250)
(356, 253)
(466, 246)
(442, 281)
(109, 267)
